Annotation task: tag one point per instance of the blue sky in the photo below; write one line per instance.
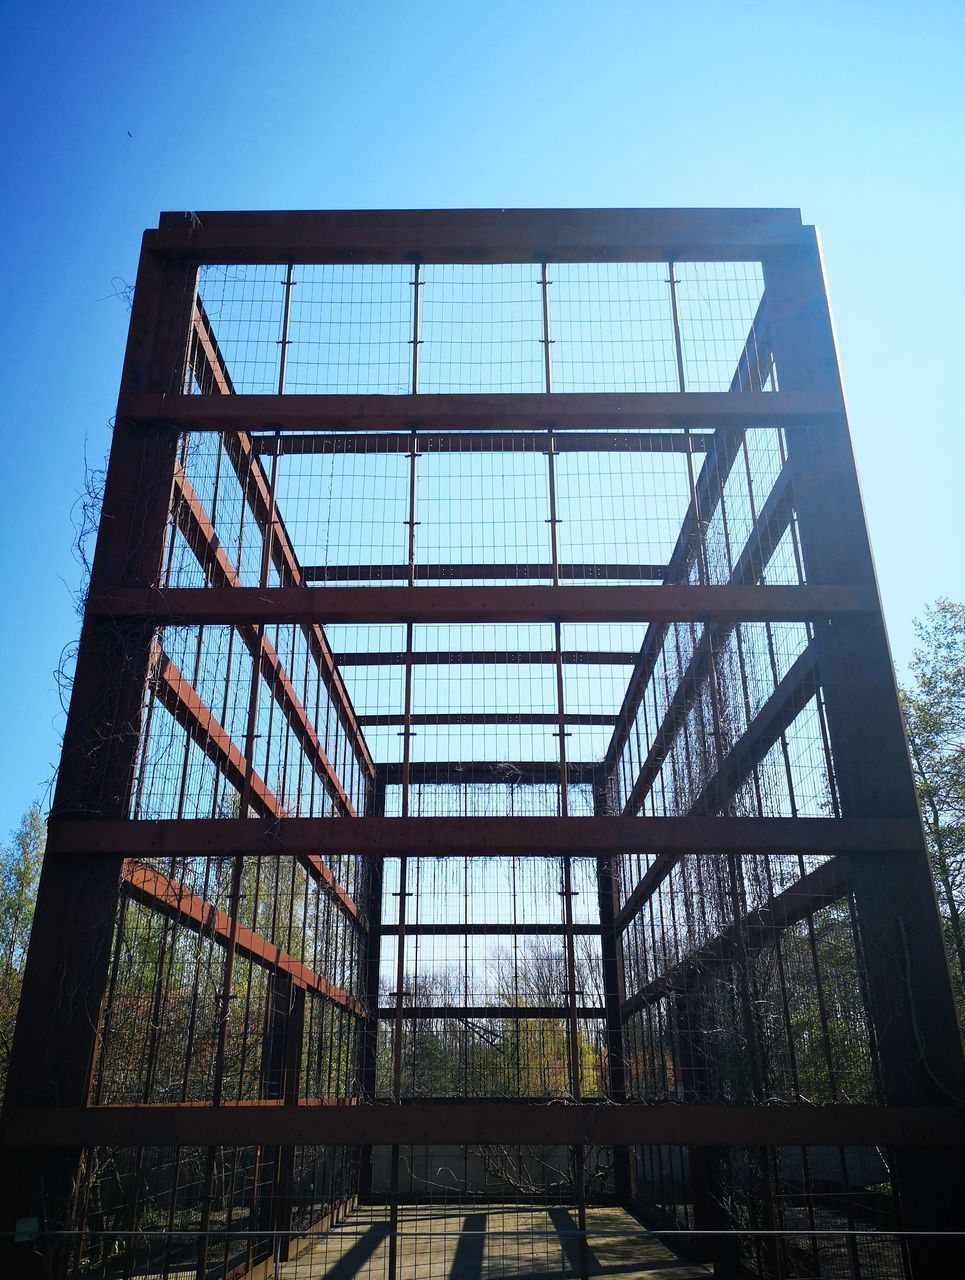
(854, 112)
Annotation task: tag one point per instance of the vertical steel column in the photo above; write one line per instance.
(68, 963)
(368, 1046)
(398, 1023)
(614, 991)
(573, 1033)
(909, 986)
(705, 1165)
(281, 1067)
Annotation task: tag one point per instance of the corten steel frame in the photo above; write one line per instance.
(102, 857)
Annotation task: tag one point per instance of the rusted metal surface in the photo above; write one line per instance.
(482, 929)
(908, 982)
(431, 605)
(313, 1123)
(56, 1034)
(489, 657)
(482, 837)
(496, 411)
(424, 718)
(509, 1012)
(479, 235)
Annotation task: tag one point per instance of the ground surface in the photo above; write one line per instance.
(487, 1242)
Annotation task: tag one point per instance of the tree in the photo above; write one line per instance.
(20, 861)
(934, 710)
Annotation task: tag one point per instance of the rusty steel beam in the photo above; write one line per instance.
(189, 606)
(67, 969)
(827, 884)
(479, 837)
(167, 896)
(255, 486)
(492, 412)
(475, 929)
(513, 1013)
(430, 572)
(319, 1123)
(176, 695)
(478, 235)
(195, 525)
(791, 694)
(436, 442)
(489, 657)
(910, 994)
(421, 719)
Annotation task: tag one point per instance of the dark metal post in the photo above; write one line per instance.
(398, 1021)
(371, 969)
(68, 962)
(614, 993)
(908, 981)
(573, 1032)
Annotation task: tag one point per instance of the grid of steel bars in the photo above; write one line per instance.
(266, 981)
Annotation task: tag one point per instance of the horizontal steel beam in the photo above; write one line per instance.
(479, 837)
(420, 719)
(478, 235)
(437, 442)
(475, 929)
(493, 411)
(507, 572)
(190, 606)
(489, 658)
(316, 1123)
(513, 1013)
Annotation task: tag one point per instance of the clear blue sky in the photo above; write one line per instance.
(854, 112)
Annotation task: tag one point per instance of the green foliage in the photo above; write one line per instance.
(20, 859)
(934, 710)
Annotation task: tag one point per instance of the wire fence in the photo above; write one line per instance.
(731, 979)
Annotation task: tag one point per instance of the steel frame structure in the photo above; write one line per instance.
(102, 855)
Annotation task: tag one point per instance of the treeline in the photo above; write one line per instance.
(934, 707)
